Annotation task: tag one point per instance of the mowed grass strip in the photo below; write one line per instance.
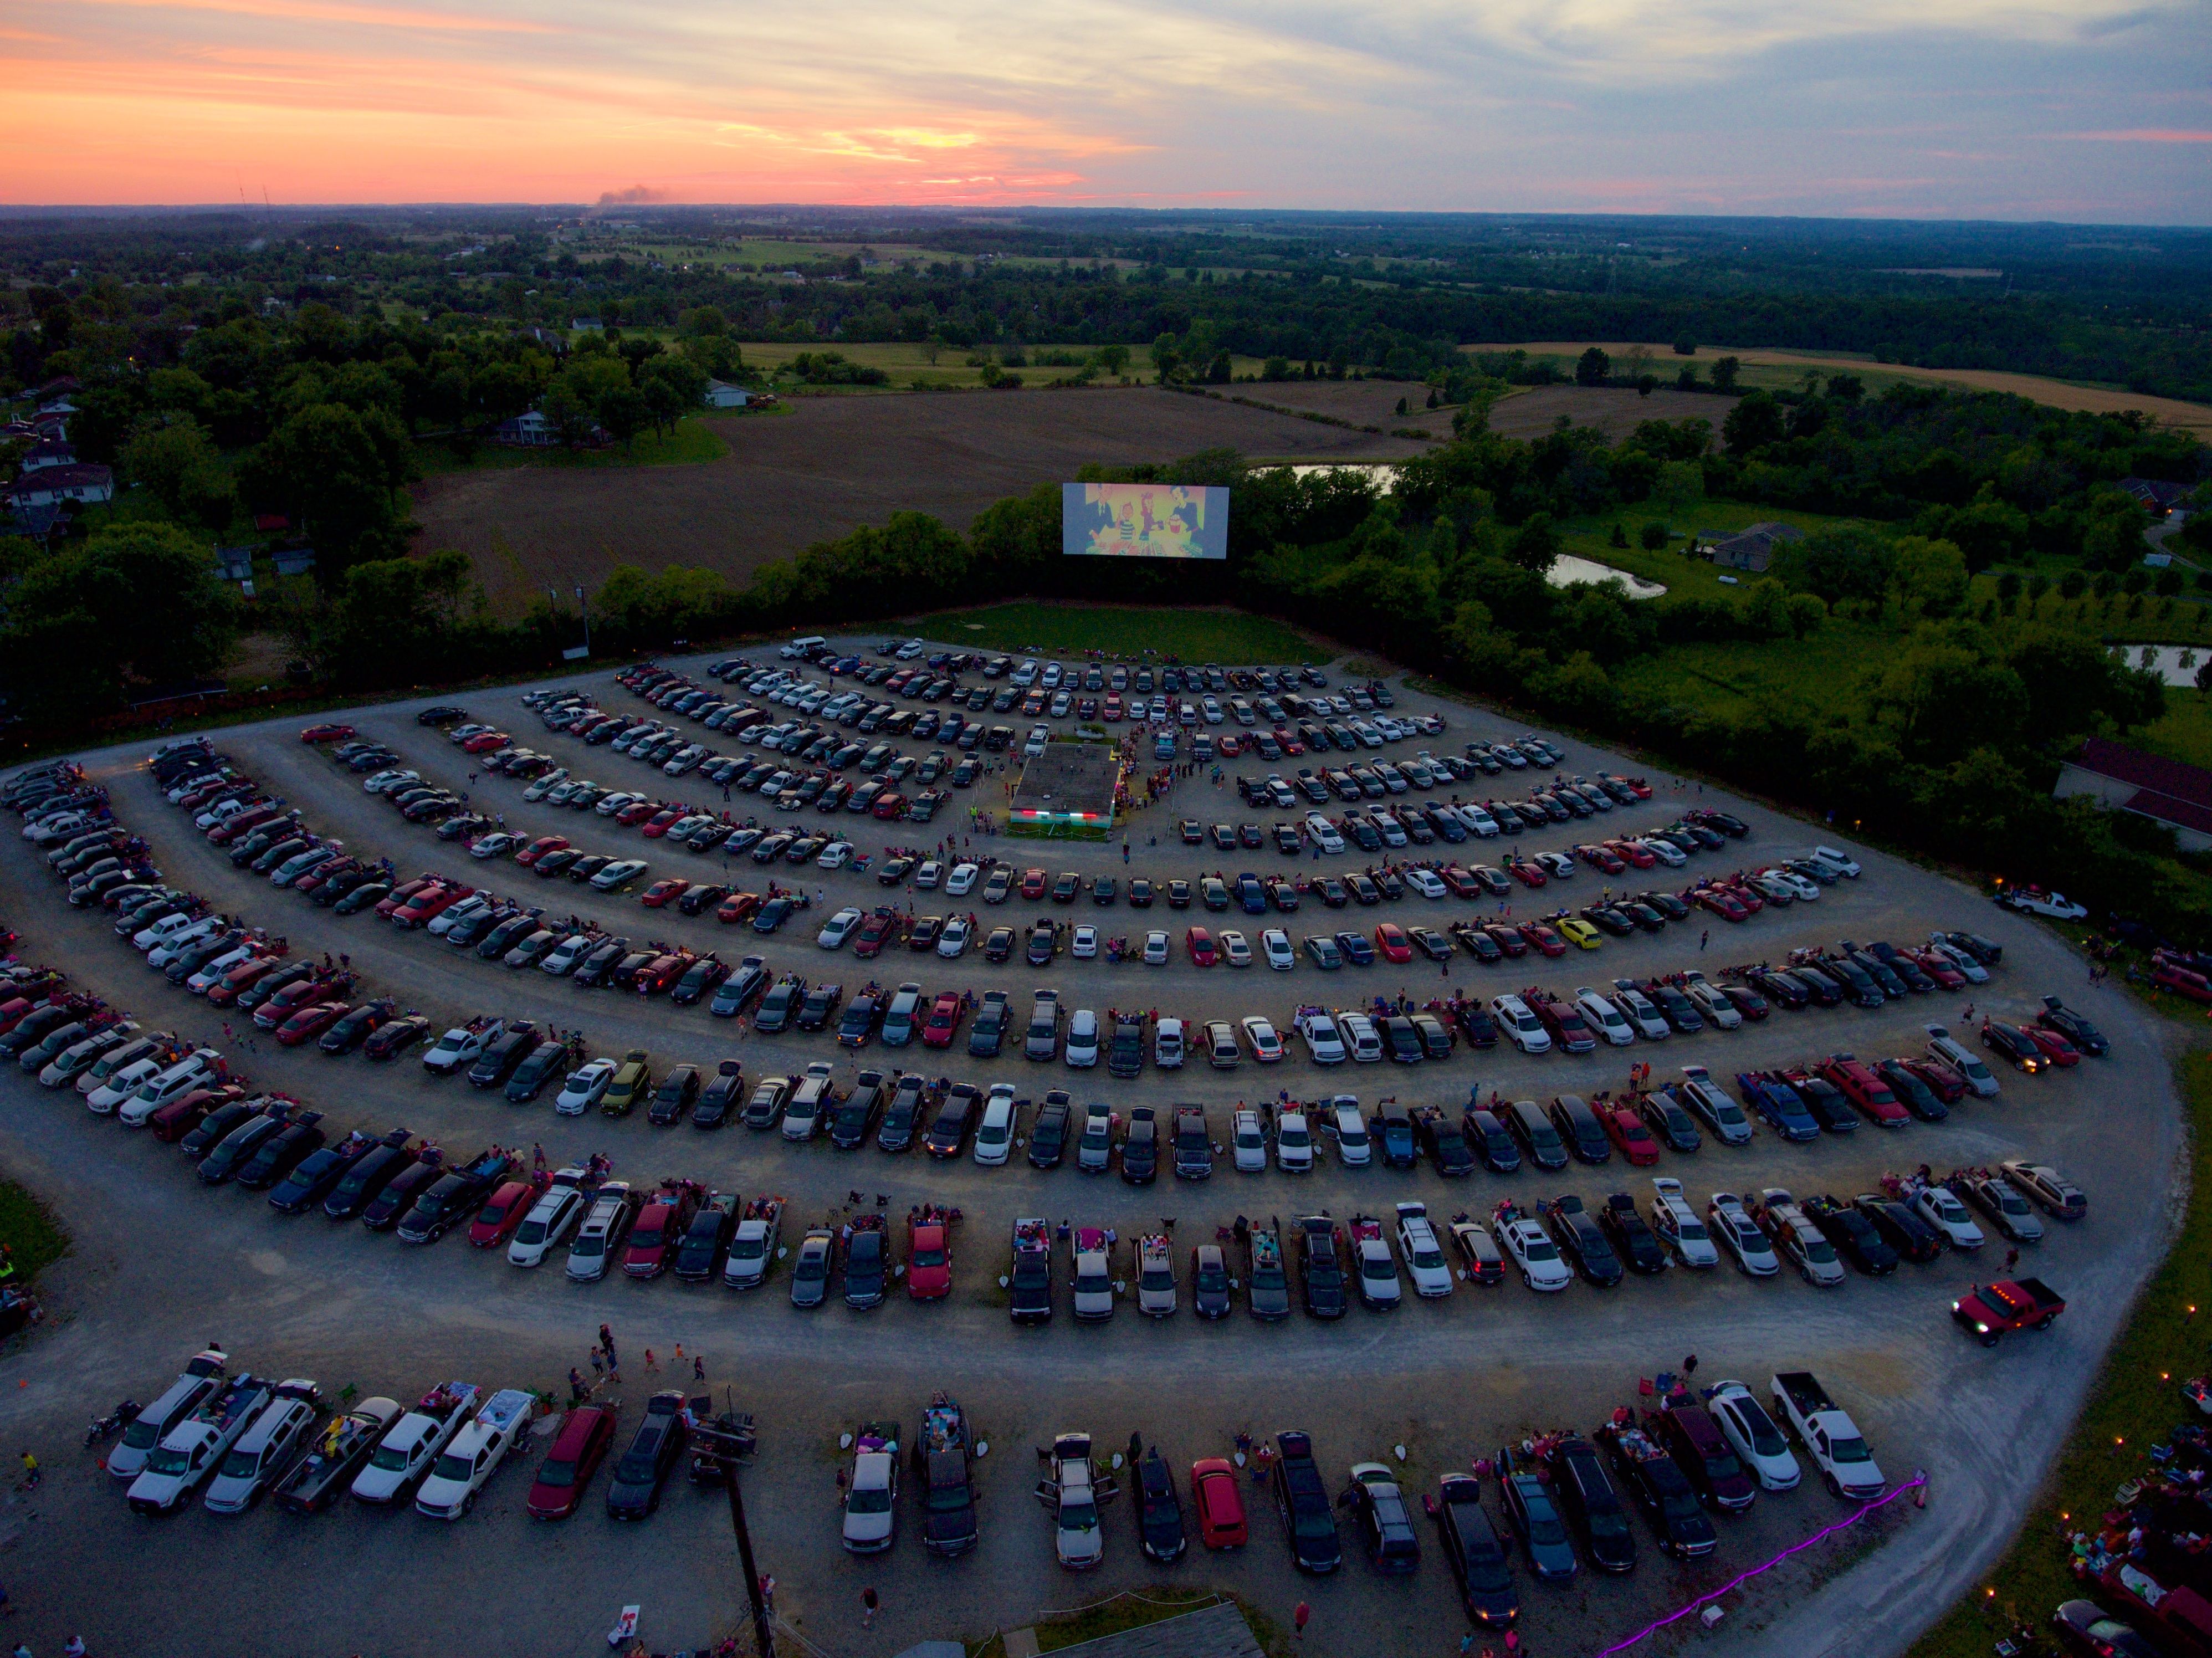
(34, 1238)
(692, 441)
(1229, 637)
(2135, 1404)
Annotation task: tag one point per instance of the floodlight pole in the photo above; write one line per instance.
(585, 609)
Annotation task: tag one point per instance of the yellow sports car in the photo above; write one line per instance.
(1579, 932)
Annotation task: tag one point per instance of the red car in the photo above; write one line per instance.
(877, 930)
(635, 813)
(664, 892)
(1507, 939)
(657, 825)
(428, 904)
(1604, 857)
(1947, 1085)
(929, 1256)
(1629, 1135)
(944, 1021)
(239, 979)
(738, 906)
(540, 846)
(240, 824)
(181, 1115)
(1528, 874)
(1543, 939)
(1391, 939)
(1200, 942)
(326, 733)
(2055, 1048)
(390, 904)
(578, 1449)
(504, 1209)
(890, 804)
(660, 1228)
(1033, 882)
(662, 972)
(292, 998)
(1723, 904)
(1866, 1091)
(1629, 851)
(485, 742)
(309, 1022)
(1751, 901)
(1461, 881)
(1937, 968)
(1218, 1494)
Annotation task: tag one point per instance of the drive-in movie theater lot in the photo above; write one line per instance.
(1587, 1158)
(974, 930)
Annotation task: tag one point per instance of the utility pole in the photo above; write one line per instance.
(725, 1445)
(587, 618)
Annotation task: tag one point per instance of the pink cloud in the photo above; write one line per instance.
(2148, 136)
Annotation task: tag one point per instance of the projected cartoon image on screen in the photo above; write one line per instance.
(1144, 520)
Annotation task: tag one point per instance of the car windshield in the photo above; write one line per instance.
(1541, 1249)
(1853, 1449)
(1681, 1505)
(557, 1474)
(452, 1466)
(1689, 1229)
(392, 1458)
(877, 1501)
(812, 1268)
(1295, 1138)
(1158, 1277)
(242, 1465)
(1820, 1251)
(168, 1461)
(1428, 1256)
(1079, 1516)
(141, 1435)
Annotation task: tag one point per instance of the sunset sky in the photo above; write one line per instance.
(2097, 110)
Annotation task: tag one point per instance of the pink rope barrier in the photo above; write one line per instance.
(1916, 1483)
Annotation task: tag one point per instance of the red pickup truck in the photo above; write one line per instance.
(1991, 1309)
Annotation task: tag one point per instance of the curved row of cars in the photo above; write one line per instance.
(230, 1439)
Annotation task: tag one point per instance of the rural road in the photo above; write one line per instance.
(162, 1266)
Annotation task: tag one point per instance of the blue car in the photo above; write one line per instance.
(1778, 1103)
(1251, 894)
(1536, 1522)
(1356, 949)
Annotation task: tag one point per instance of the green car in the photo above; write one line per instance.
(632, 1083)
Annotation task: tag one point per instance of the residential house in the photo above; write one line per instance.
(49, 451)
(721, 394)
(50, 485)
(1753, 549)
(588, 325)
(2158, 496)
(2168, 791)
(533, 431)
(234, 563)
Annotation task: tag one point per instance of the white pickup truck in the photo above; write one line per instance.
(475, 1456)
(195, 1446)
(1837, 1446)
(405, 1452)
(462, 1046)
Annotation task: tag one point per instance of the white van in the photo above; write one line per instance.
(796, 651)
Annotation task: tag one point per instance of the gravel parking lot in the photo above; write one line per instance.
(163, 1265)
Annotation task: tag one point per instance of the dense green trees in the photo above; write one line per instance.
(134, 606)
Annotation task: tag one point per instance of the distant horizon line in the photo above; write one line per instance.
(621, 210)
